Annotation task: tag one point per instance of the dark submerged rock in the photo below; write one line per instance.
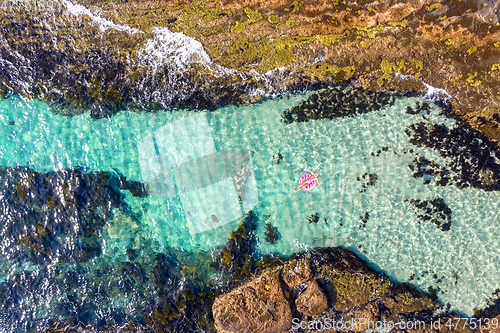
(368, 180)
(364, 219)
(313, 218)
(435, 211)
(271, 234)
(237, 256)
(427, 169)
(472, 156)
(40, 210)
(424, 107)
(338, 101)
(277, 158)
(188, 311)
(163, 273)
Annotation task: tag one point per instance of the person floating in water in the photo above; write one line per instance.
(308, 181)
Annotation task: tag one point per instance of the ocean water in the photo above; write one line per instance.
(463, 263)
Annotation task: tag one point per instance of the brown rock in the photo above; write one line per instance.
(256, 306)
(312, 301)
(297, 271)
(362, 318)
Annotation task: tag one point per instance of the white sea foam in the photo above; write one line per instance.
(432, 93)
(165, 48)
(102, 22)
(173, 48)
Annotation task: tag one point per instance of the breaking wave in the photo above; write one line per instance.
(102, 22)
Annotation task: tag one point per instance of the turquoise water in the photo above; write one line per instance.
(464, 259)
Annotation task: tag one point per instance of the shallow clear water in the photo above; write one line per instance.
(463, 262)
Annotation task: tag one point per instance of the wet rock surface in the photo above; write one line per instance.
(342, 287)
(297, 270)
(360, 317)
(354, 282)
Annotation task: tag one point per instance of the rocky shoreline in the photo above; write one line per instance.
(314, 291)
(323, 290)
(327, 290)
(253, 50)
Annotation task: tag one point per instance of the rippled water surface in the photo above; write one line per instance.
(375, 219)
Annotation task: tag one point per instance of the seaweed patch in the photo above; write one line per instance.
(469, 153)
(314, 218)
(237, 256)
(369, 179)
(421, 167)
(435, 211)
(271, 234)
(277, 158)
(338, 101)
(364, 219)
(419, 108)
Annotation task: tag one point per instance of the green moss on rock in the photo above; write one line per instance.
(237, 256)
(354, 281)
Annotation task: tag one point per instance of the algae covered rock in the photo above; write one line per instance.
(354, 281)
(343, 288)
(312, 301)
(297, 270)
(259, 305)
(404, 298)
